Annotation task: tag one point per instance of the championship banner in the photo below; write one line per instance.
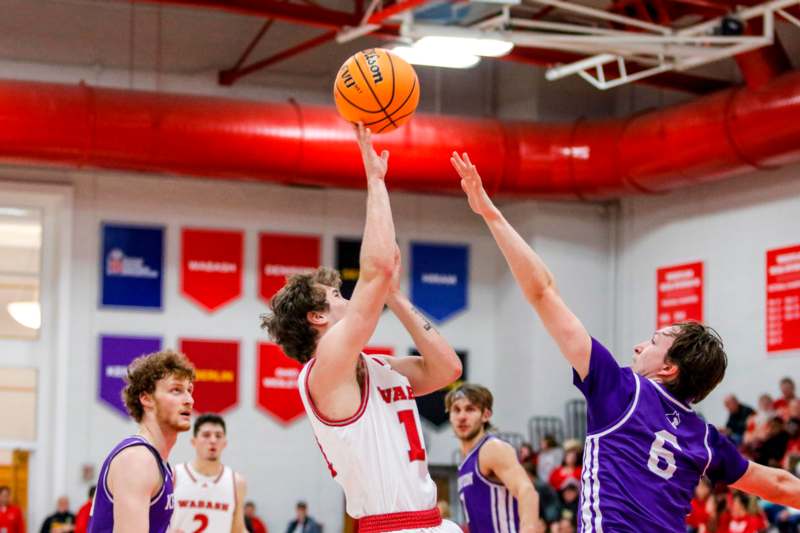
(116, 353)
(679, 294)
(347, 263)
(278, 394)
(131, 262)
(783, 299)
(211, 266)
(439, 276)
(280, 256)
(431, 406)
(216, 363)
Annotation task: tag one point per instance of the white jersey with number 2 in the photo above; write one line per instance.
(377, 455)
(203, 504)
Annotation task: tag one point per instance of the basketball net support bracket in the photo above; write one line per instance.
(659, 48)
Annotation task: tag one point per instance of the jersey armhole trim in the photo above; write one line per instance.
(140, 442)
(708, 449)
(478, 467)
(362, 407)
(627, 415)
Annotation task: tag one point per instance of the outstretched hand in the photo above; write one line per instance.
(374, 165)
(472, 185)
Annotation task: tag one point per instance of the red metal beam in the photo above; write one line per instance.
(228, 77)
(319, 17)
(224, 75)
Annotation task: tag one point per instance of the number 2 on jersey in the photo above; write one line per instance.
(416, 452)
(203, 519)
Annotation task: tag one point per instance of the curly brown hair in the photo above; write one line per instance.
(288, 324)
(698, 353)
(145, 371)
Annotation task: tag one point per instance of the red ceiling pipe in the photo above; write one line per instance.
(702, 140)
(762, 65)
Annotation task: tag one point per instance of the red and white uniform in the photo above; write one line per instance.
(203, 503)
(378, 455)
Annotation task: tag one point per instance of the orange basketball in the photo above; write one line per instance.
(377, 88)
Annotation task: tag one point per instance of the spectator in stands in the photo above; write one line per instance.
(11, 520)
(781, 405)
(773, 448)
(303, 523)
(551, 455)
(758, 423)
(253, 523)
(570, 468)
(744, 516)
(792, 455)
(62, 521)
(549, 502)
(704, 506)
(526, 455)
(569, 495)
(738, 413)
(82, 518)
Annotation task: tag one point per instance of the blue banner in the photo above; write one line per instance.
(131, 262)
(439, 277)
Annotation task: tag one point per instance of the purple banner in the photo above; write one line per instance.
(116, 353)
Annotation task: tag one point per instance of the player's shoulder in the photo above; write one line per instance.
(495, 449)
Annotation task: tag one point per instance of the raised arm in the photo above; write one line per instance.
(439, 364)
(499, 460)
(339, 348)
(532, 275)
(772, 484)
(133, 478)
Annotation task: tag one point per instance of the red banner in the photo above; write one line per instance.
(280, 256)
(216, 386)
(783, 299)
(679, 294)
(378, 350)
(211, 266)
(277, 383)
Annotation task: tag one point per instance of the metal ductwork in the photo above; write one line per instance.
(702, 140)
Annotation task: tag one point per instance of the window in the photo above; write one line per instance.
(20, 267)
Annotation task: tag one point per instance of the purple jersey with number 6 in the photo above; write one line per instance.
(645, 452)
(161, 505)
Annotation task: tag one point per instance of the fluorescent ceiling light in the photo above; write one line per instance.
(436, 58)
(465, 45)
(29, 314)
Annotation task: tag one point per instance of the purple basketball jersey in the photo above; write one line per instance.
(161, 505)
(644, 453)
(489, 507)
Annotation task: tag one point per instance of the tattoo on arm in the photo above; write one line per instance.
(426, 324)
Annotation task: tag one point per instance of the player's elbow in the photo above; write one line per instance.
(376, 267)
(454, 367)
(787, 489)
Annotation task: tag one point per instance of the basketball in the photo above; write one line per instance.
(377, 88)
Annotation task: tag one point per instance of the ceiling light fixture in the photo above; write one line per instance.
(433, 57)
(28, 314)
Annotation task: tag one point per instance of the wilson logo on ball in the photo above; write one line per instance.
(377, 88)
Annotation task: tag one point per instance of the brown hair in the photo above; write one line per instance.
(145, 371)
(698, 353)
(288, 324)
(477, 395)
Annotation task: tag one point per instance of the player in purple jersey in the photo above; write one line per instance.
(646, 449)
(496, 493)
(134, 489)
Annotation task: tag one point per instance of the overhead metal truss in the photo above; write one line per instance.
(612, 42)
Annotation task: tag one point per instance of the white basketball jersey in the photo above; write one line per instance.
(203, 503)
(377, 455)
